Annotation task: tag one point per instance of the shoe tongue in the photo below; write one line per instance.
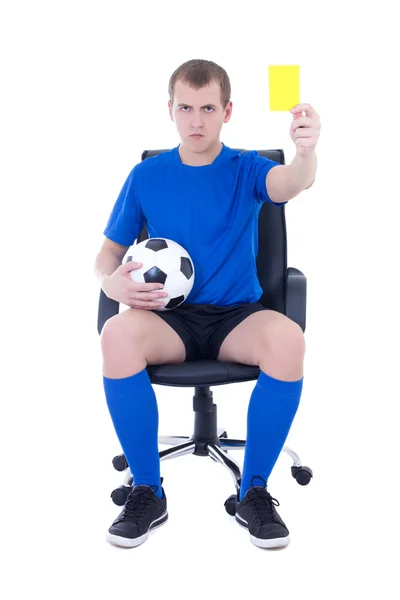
(258, 481)
(143, 486)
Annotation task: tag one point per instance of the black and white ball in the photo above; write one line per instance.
(167, 262)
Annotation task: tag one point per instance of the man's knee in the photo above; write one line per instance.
(122, 327)
(284, 340)
(122, 344)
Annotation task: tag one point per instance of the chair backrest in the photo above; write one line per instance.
(271, 259)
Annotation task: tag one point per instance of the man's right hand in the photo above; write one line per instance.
(120, 287)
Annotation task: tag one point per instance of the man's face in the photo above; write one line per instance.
(198, 112)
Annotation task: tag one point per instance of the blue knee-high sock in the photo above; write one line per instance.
(272, 408)
(134, 412)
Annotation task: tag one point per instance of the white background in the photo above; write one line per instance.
(84, 92)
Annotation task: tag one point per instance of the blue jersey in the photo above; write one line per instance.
(211, 210)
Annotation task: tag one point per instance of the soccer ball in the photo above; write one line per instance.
(167, 262)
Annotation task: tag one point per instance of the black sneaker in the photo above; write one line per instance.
(257, 513)
(142, 512)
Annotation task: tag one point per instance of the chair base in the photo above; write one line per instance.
(207, 440)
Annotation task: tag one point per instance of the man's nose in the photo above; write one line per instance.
(197, 120)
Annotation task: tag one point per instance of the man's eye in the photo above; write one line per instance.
(210, 107)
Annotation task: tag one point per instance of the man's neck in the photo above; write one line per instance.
(199, 159)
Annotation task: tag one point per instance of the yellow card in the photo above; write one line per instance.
(284, 86)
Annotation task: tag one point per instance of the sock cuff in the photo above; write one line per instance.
(279, 386)
(123, 383)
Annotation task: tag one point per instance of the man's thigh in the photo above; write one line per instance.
(230, 319)
(140, 333)
(257, 333)
(182, 320)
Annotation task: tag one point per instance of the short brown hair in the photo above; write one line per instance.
(197, 73)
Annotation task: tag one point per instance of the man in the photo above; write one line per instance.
(206, 197)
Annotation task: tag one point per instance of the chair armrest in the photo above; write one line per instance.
(107, 308)
(296, 296)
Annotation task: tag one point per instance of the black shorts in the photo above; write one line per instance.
(203, 327)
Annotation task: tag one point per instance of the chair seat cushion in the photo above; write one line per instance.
(201, 372)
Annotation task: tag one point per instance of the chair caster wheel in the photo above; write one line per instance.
(230, 506)
(120, 494)
(302, 474)
(119, 462)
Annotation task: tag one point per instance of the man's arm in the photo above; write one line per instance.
(109, 259)
(287, 181)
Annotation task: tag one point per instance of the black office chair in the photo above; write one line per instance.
(284, 290)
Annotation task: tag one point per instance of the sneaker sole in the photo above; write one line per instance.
(118, 540)
(260, 542)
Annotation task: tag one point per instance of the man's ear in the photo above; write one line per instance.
(228, 112)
